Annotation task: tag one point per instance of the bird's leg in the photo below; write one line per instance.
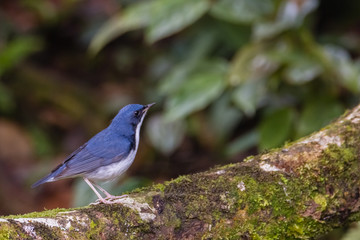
(96, 192)
(108, 195)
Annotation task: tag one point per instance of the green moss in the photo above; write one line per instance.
(159, 187)
(45, 232)
(5, 234)
(13, 230)
(92, 224)
(47, 213)
(303, 228)
(279, 196)
(231, 165)
(172, 220)
(124, 218)
(96, 226)
(321, 200)
(180, 179)
(261, 195)
(333, 153)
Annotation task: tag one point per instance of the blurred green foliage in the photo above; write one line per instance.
(247, 59)
(230, 77)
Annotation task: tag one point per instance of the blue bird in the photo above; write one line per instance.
(107, 155)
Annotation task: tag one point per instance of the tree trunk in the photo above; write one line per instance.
(301, 191)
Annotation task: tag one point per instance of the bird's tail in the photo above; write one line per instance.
(48, 178)
(53, 176)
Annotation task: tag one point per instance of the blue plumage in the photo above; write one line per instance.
(106, 155)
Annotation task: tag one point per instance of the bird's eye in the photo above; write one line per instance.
(136, 113)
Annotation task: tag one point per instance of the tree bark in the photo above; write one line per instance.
(301, 191)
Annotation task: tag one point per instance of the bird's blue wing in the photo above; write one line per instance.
(103, 149)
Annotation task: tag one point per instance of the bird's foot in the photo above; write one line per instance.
(112, 197)
(99, 201)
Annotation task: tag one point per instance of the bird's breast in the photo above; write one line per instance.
(113, 170)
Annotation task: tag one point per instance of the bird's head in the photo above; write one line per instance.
(131, 115)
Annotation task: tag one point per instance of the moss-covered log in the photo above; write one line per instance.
(301, 191)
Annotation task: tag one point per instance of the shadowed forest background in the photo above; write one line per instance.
(231, 78)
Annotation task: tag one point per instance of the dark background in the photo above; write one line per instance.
(231, 78)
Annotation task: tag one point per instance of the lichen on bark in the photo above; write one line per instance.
(300, 191)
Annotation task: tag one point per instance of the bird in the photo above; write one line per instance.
(107, 155)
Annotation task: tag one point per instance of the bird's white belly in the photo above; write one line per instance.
(112, 171)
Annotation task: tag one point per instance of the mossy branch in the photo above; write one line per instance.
(301, 191)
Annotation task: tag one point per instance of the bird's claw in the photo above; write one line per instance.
(99, 201)
(109, 200)
(112, 197)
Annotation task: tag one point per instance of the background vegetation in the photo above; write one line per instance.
(231, 78)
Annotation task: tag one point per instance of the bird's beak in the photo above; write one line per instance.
(148, 106)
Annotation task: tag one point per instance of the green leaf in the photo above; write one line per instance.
(16, 50)
(176, 77)
(134, 17)
(252, 62)
(269, 29)
(198, 91)
(242, 11)
(260, 61)
(302, 72)
(275, 128)
(224, 117)
(7, 103)
(231, 36)
(249, 95)
(290, 15)
(171, 16)
(249, 71)
(41, 141)
(301, 67)
(197, 52)
(242, 143)
(347, 73)
(317, 113)
(165, 136)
